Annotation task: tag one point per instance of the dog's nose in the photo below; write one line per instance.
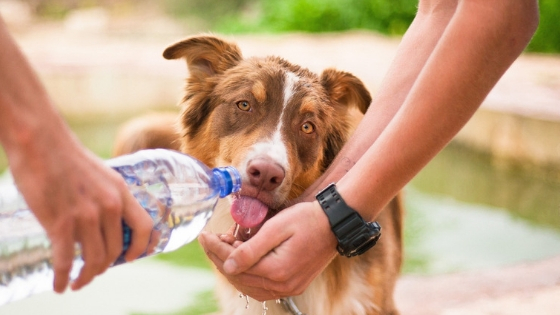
(265, 174)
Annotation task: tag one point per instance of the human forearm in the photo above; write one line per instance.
(25, 108)
(435, 84)
(74, 196)
(449, 89)
(413, 52)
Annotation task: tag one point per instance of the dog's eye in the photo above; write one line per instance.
(307, 128)
(244, 106)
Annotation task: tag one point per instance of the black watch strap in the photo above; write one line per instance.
(334, 206)
(354, 235)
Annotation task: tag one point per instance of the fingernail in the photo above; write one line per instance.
(230, 266)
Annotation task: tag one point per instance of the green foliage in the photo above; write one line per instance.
(390, 17)
(384, 16)
(547, 37)
(191, 255)
(211, 11)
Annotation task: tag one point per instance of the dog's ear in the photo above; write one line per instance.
(205, 55)
(345, 89)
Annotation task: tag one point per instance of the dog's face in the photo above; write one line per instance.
(279, 124)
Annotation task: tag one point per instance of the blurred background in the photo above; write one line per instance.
(488, 201)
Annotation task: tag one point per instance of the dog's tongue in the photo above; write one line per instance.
(248, 212)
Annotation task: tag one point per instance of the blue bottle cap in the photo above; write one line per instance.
(229, 180)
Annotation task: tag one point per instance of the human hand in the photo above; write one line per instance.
(282, 259)
(78, 199)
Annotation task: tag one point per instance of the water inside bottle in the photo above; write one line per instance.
(179, 209)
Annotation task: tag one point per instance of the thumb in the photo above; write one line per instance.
(247, 255)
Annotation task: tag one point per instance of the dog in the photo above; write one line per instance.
(281, 126)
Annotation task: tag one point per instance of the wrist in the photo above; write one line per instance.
(330, 240)
(25, 119)
(32, 139)
(360, 199)
(353, 234)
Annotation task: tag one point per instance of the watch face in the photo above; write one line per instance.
(366, 246)
(360, 239)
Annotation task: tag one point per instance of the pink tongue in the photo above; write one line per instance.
(248, 212)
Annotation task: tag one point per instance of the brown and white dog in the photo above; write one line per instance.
(281, 126)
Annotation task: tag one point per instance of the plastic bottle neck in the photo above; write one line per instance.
(228, 180)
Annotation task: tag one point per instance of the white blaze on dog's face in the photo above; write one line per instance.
(279, 124)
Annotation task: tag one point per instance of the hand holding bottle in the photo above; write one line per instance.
(175, 192)
(81, 201)
(74, 196)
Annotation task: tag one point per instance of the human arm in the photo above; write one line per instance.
(72, 193)
(449, 60)
(480, 43)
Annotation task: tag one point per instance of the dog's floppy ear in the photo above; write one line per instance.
(205, 55)
(345, 89)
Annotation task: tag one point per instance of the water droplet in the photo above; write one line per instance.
(241, 295)
(236, 230)
(248, 231)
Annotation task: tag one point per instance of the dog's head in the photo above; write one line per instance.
(279, 124)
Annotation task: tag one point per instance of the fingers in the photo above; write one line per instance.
(248, 254)
(94, 252)
(100, 234)
(280, 259)
(155, 237)
(112, 233)
(252, 285)
(213, 244)
(63, 256)
(229, 238)
(141, 225)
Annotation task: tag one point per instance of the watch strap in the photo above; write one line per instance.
(334, 206)
(354, 235)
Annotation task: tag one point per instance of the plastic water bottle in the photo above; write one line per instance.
(178, 192)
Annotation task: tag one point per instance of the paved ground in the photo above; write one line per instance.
(113, 70)
(531, 288)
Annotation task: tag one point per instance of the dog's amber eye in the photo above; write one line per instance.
(244, 106)
(307, 128)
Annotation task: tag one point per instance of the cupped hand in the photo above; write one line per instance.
(78, 199)
(282, 259)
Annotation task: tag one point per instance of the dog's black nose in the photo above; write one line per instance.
(265, 174)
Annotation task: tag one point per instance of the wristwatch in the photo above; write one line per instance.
(354, 235)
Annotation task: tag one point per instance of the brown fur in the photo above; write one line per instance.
(151, 131)
(218, 128)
